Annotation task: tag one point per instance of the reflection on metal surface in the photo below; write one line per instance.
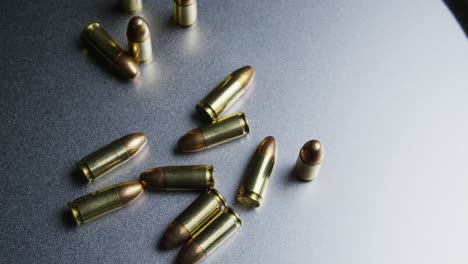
(193, 218)
(226, 93)
(309, 161)
(97, 204)
(99, 41)
(220, 131)
(258, 173)
(185, 12)
(210, 237)
(130, 6)
(139, 40)
(195, 177)
(111, 155)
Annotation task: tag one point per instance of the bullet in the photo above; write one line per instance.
(139, 40)
(111, 155)
(226, 93)
(185, 12)
(309, 161)
(193, 218)
(195, 177)
(220, 131)
(105, 201)
(258, 173)
(130, 6)
(99, 41)
(211, 236)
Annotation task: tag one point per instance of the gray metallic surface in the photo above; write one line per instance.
(382, 84)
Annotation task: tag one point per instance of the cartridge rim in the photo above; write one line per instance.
(85, 170)
(206, 112)
(219, 197)
(250, 199)
(210, 177)
(244, 122)
(236, 217)
(76, 213)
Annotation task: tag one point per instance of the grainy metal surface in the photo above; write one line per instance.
(382, 84)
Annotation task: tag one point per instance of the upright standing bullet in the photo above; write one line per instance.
(139, 40)
(193, 218)
(195, 177)
(226, 93)
(97, 204)
(309, 161)
(130, 6)
(111, 156)
(112, 52)
(211, 236)
(258, 173)
(220, 131)
(185, 12)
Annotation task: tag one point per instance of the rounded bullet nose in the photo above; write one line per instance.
(137, 29)
(267, 147)
(129, 191)
(133, 143)
(153, 178)
(127, 66)
(191, 253)
(175, 235)
(192, 141)
(245, 75)
(312, 152)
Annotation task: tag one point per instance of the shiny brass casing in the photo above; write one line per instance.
(225, 129)
(141, 51)
(139, 40)
(130, 6)
(193, 177)
(255, 180)
(305, 171)
(105, 201)
(225, 93)
(218, 230)
(201, 211)
(185, 12)
(95, 37)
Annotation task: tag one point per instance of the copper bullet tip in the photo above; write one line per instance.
(129, 191)
(126, 66)
(133, 143)
(137, 30)
(267, 147)
(192, 141)
(175, 235)
(154, 178)
(191, 253)
(244, 75)
(312, 152)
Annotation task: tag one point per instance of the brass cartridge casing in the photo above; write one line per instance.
(195, 177)
(210, 237)
(105, 201)
(258, 173)
(220, 131)
(226, 93)
(139, 40)
(111, 156)
(130, 6)
(185, 12)
(95, 37)
(193, 218)
(309, 161)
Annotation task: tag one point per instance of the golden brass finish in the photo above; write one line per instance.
(105, 201)
(193, 218)
(309, 161)
(139, 40)
(220, 131)
(195, 177)
(226, 93)
(258, 173)
(131, 6)
(111, 155)
(210, 237)
(185, 12)
(95, 37)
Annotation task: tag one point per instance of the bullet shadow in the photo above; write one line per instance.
(76, 177)
(459, 9)
(67, 219)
